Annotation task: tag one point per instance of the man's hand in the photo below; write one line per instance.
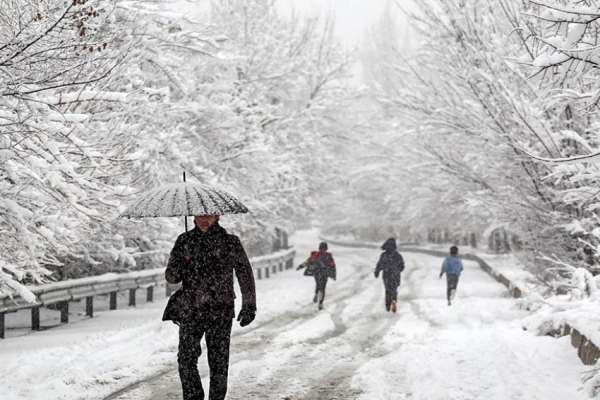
(246, 315)
(441, 275)
(376, 274)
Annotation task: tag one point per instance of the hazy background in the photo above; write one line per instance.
(354, 18)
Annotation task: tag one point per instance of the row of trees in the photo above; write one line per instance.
(489, 118)
(101, 99)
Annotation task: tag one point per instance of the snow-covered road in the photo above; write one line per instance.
(353, 349)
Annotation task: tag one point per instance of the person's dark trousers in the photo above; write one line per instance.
(391, 291)
(451, 283)
(321, 284)
(218, 337)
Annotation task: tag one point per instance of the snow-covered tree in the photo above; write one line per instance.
(53, 56)
(493, 108)
(103, 99)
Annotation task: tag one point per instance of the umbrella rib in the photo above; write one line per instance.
(145, 203)
(237, 204)
(173, 202)
(201, 201)
(187, 200)
(216, 204)
(227, 201)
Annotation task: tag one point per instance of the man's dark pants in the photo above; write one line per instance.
(452, 283)
(218, 337)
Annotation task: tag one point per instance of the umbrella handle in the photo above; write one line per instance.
(185, 217)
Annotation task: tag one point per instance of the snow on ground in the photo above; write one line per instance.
(473, 350)
(87, 359)
(91, 358)
(351, 350)
(513, 269)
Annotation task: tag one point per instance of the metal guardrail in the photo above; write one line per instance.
(59, 294)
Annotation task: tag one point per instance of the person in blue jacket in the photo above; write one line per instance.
(452, 267)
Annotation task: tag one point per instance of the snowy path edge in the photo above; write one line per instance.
(587, 350)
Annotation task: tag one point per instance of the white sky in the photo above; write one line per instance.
(353, 17)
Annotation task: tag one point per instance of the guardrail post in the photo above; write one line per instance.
(575, 338)
(289, 264)
(150, 294)
(284, 240)
(132, 297)
(2, 325)
(274, 268)
(266, 272)
(35, 319)
(473, 240)
(89, 306)
(113, 301)
(280, 266)
(259, 273)
(64, 312)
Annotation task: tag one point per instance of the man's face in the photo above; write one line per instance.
(205, 221)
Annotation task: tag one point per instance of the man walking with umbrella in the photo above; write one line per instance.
(204, 261)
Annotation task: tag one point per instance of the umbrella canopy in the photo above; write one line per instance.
(184, 199)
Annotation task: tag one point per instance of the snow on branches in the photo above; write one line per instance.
(500, 101)
(101, 99)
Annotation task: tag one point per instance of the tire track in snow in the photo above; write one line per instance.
(322, 368)
(337, 384)
(317, 368)
(251, 343)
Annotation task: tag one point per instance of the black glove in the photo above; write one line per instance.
(303, 265)
(376, 274)
(246, 315)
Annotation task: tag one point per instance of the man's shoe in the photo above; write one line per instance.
(315, 299)
(393, 307)
(320, 306)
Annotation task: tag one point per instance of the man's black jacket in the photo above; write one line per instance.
(205, 262)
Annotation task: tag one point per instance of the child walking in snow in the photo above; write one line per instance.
(321, 266)
(392, 265)
(452, 267)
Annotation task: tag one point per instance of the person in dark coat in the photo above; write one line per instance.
(321, 265)
(204, 260)
(392, 265)
(452, 267)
